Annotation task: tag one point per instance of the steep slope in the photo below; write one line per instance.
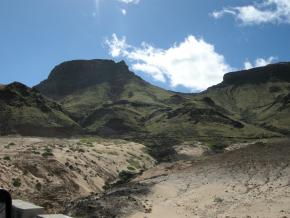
(25, 111)
(50, 172)
(84, 86)
(259, 96)
(107, 99)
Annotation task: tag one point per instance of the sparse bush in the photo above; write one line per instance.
(134, 163)
(125, 176)
(38, 186)
(217, 147)
(47, 154)
(16, 182)
(218, 200)
(113, 153)
(7, 158)
(107, 185)
(81, 150)
(131, 168)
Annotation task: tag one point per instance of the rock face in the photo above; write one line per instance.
(271, 73)
(25, 111)
(69, 77)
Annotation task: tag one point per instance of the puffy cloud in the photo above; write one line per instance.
(260, 62)
(267, 11)
(193, 63)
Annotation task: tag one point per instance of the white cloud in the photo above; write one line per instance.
(193, 63)
(266, 11)
(129, 1)
(260, 62)
(124, 11)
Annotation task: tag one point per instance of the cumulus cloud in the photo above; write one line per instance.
(129, 1)
(192, 63)
(265, 11)
(260, 62)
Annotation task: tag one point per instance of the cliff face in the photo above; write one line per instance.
(271, 73)
(72, 76)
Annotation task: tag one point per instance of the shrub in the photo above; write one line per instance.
(131, 168)
(125, 176)
(16, 182)
(47, 154)
(7, 158)
(38, 186)
(218, 200)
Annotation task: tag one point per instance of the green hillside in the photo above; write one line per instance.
(25, 111)
(258, 96)
(107, 99)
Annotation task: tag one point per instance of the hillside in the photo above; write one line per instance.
(258, 96)
(25, 111)
(51, 172)
(249, 180)
(107, 99)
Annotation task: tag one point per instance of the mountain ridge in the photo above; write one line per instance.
(105, 98)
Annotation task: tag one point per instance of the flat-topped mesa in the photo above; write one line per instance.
(273, 72)
(78, 74)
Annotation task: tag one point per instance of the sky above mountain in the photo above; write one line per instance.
(182, 45)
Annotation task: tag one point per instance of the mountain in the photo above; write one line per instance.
(259, 96)
(103, 96)
(107, 99)
(25, 111)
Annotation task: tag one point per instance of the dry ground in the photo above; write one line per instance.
(252, 181)
(52, 172)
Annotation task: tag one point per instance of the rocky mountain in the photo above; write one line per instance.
(107, 99)
(103, 96)
(25, 111)
(258, 96)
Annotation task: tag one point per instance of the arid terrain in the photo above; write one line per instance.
(52, 172)
(249, 180)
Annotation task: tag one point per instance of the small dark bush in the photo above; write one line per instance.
(7, 158)
(47, 154)
(16, 182)
(126, 176)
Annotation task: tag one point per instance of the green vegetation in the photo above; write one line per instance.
(134, 163)
(27, 112)
(16, 182)
(7, 158)
(125, 176)
(47, 152)
(102, 98)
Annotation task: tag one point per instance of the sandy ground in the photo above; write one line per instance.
(51, 172)
(253, 181)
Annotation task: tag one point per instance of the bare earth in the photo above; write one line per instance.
(249, 181)
(52, 172)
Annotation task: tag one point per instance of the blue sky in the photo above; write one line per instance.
(182, 45)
